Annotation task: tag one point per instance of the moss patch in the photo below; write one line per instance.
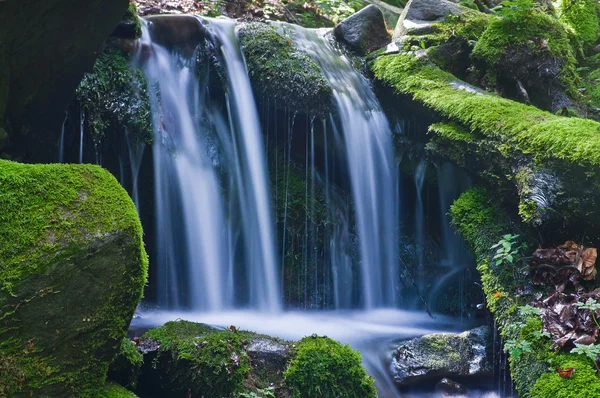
(72, 270)
(325, 368)
(525, 128)
(582, 16)
(115, 98)
(281, 71)
(583, 384)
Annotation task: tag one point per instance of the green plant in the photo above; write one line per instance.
(516, 348)
(507, 249)
(261, 393)
(528, 310)
(592, 305)
(591, 351)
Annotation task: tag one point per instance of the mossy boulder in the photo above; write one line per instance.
(432, 357)
(364, 31)
(72, 270)
(582, 16)
(322, 367)
(126, 367)
(282, 72)
(530, 56)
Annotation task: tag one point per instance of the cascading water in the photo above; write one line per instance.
(197, 222)
(367, 139)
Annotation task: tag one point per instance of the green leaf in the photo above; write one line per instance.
(509, 258)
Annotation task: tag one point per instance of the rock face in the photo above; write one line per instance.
(73, 269)
(364, 31)
(45, 47)
(418, 15)
(435, 356)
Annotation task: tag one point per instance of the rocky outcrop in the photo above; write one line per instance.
(45, 47)
(73, 270)
(364, 31)
(435, 356)
(279, 70)
(419, 15)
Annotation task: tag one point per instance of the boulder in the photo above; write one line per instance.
(280, 70)
(418, 16)
(48, 46)
(364, 31)
(435, 356)
(73, 268)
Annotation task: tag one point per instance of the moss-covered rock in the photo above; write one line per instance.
(115, 99)
(130, 26)
(323, 367)
(431, 357)
(113, 391)
(194, 360)
(582, 16)
(126, 367)
(72, 270)
(279, 70)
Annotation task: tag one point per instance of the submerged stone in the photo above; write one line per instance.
(364, 31)
(439, 355)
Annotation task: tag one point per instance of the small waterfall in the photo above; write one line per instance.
(370, 160)
(210, 181)
(81, 131)
(61, 142)
(419, 178)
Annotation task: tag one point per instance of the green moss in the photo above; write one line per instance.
(115, 98)
(524, 128)
(114, 391)
(70, 238)
(452, 131)
(194, 356)
(583, 384)
(582, 16)
(325, 368)
(280, 71)
(131, 16)
(127, 365)
(530, 31)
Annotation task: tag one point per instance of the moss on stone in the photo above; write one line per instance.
(325, 368)
(583, 384)
(524, 128)
(126, 367)
(582, 16)
(281, 71)
(112, 390)
(72, 270)
(198, 358)
(115, 99)
(131, 17)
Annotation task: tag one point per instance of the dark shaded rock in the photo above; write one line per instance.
(450, 387)
(441, 355)
(125, 369)
(178, 32)
(364, 31)
(73, 270)
(47, 47)
(126, 30)
(418, 16)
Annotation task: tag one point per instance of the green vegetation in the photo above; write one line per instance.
(59, 225)
(325, 368)
(209, 362)
(131, 17)
(115, 98)
(524, 128)
(282, 72)
(127, 365)
(583, 383)
(114, 391)
(582, 16)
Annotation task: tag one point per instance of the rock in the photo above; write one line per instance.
(450, 387)
(125, 369)
(364, 31)
(73, 270)
(279, 70)
(441, 355)
(418, 16)
(48, 46)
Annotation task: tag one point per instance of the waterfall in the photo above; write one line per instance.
(419, 178)
(370, 159)
(61, 142)
(210, 181)
(81, 130)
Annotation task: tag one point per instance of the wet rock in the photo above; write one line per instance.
(364, 31)
(448, 386)
(48, 46)
(418, 16)
(440, 355)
